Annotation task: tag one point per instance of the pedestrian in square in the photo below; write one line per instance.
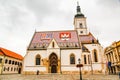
(37, 72)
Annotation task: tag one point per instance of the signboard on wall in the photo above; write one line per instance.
(65, 36)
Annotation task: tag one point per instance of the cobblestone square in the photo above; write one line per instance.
(57, 77)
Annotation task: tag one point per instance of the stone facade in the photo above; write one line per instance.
(112, 54)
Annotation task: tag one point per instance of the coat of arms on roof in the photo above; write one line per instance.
(65, 36)
(46, 36)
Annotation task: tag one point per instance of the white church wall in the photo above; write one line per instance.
(91, 47)
(29, 59)
(51, 50)
(65, 56)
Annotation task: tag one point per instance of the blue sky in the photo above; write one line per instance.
(20, 18)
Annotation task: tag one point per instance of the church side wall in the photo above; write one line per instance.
(97, 66)
(29, 66)
(66, 67)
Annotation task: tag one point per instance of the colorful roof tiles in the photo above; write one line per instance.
(64, 39)
(10, 53)
(87, 39)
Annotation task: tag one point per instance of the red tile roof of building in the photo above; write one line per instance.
(87, 39)
(11, 54)
(1, 53)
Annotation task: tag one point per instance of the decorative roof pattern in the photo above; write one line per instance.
(87, 39)
(10, 54)
(63, 38)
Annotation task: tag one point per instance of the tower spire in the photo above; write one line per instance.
(79, 14)
(78, 8)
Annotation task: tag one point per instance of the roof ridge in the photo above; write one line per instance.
(55, 31)
(11, 53)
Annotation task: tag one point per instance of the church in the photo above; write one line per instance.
(59, 51)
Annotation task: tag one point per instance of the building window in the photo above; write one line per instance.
(72, 59)
(18, 63)
(12, 62)
(8, 68)
(14, 69)
(88, 59)
(81, 31)
(11, 68)
(53, 44)
(4, 69)
(37, 60)
(95, 56)
(9, 61)
(15, 62)
(81, 26)
(85, 61)
(6, 61)
(0, 60)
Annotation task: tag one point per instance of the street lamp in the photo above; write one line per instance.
(80, 65)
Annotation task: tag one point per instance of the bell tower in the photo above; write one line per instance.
(80, 22)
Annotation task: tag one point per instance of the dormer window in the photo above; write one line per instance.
(81, 26)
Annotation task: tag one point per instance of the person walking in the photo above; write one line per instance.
(37, 72)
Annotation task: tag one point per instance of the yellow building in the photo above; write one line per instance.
(1, 61)
(10, 62)
(112, 54)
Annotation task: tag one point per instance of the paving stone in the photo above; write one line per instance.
(58, 77)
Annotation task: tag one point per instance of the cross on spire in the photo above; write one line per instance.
(78, 8)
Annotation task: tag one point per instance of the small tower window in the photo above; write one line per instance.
(53, 44)
(81, 26)
(81, 31)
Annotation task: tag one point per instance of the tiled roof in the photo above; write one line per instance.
(67, 38)
(87, 39)
(10, 53)
(1, 53)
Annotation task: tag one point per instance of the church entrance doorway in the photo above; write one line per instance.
(53, 63)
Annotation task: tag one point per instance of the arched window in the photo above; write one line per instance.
(72, 59)
(37, 60)
(89, 59)
(85, 61)
(95, 55)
